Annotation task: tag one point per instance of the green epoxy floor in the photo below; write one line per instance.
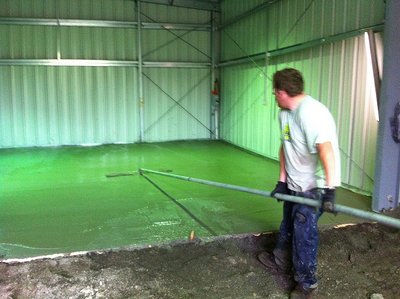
(59, 200)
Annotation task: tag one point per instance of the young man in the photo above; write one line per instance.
(309, 167)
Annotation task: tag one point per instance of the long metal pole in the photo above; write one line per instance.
(389, 221)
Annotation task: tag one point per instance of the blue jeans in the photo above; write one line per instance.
(298, 236)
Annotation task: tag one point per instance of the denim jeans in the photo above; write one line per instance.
(298, 237)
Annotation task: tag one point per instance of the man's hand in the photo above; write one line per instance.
(328, 200)
(281, 187)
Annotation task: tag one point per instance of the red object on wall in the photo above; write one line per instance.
(215, 90)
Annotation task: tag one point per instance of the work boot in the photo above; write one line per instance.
(301, 293)
(273, 264)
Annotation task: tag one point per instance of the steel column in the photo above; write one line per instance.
(387, 164)
(140, 72)
(215, 47)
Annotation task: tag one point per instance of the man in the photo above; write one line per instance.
(309, 167)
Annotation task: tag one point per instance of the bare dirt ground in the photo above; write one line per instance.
(360, 261)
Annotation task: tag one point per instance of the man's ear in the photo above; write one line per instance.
(282, 93)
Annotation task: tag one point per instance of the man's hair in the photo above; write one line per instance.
(289, 80)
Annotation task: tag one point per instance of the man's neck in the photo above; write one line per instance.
(295, 101)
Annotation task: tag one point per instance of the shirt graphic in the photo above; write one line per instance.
(286, 133)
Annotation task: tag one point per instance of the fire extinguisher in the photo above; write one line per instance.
(215, 90)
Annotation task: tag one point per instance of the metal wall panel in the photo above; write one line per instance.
(246, 37)
(120, 10)
(172, 14)
(249, 118)
(234, 8)
(43, 106)
(290, 22)
(27, 42)
(164, 118)
(27, 8)
(175, 45)
(98, 43)
(46, 105)
(164, 45)
(335, 73)
(41, 42)
(177, 104)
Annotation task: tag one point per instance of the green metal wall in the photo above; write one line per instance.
(83, 9)
(246, 36)
(177, 104)
(47, 105)
(249, 118)
(335, 73)
(69, 73)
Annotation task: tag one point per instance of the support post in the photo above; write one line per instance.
(140, 70)
(215, 47)
(387, 163)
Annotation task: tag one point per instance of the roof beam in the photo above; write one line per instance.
(102, 23)
(102, 62)
(212, 5)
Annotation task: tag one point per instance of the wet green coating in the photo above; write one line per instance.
(65, 199)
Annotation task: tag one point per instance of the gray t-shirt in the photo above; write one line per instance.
(302, 129)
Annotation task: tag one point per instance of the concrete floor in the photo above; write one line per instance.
(66, 199)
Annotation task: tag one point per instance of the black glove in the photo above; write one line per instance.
(328, 200)
(281, 187)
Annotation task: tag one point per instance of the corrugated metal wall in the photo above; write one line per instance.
(335, 73)
(47, 103)
(82, 9)
(248, 120)
(177, 100)
(246, 36)
(42, 105)
(178, 105)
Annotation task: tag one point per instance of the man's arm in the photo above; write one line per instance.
(281, 186)
(327, 158)
(282, 167)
